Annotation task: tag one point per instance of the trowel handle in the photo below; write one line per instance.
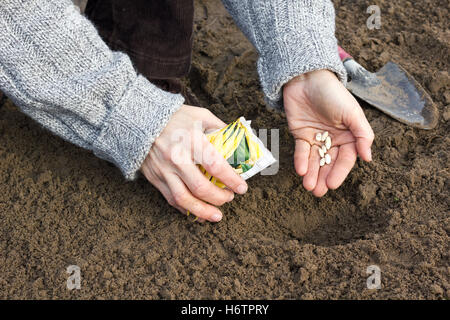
(344, 55)
(354, 69)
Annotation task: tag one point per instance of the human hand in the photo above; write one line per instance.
(171, 165)
(317, 102)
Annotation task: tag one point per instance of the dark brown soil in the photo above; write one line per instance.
(59, 205)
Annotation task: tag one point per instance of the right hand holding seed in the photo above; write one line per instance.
(317, 102)
(171, 165)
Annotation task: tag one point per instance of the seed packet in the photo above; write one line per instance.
(243, 150)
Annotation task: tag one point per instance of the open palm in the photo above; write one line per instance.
(318, 102)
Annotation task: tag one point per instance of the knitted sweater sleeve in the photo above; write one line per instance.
(292, 37)
(56, 68)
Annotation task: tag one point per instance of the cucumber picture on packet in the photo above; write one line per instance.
(243, 150)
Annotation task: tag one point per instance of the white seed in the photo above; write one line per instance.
(324, 149)
(322, 154)
(328, 143)
(327, 159)
(324, 135)
(322, 162)
(319, 137)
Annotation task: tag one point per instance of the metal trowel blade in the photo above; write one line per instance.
(393, 91)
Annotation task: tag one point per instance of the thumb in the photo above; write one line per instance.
(362, 131)
(211, 122)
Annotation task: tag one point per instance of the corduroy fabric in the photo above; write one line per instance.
(156, 34)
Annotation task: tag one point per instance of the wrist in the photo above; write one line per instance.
(310, 75)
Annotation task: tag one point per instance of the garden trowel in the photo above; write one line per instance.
(393, 91)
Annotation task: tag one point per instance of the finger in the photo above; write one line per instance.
(345, 161)
(153, 178)
(218, 167)
(301, 156)
(165, 191)
(201, 187)
(321, 187)
(184, 199)
(310, 179)
(363, 133)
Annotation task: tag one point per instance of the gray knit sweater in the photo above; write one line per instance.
(55, 67)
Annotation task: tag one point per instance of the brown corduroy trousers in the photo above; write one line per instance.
(156, 34)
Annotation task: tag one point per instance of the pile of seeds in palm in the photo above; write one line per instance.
(325, 138)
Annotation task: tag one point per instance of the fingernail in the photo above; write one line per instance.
(370, 154)
(216, 217)
(231, 197)
(242, 189)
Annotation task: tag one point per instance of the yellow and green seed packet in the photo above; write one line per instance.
(243, 150)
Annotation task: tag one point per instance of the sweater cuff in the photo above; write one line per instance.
(133, 125)
(293, 55)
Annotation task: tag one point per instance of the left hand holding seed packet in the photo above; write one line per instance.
(180, 174)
